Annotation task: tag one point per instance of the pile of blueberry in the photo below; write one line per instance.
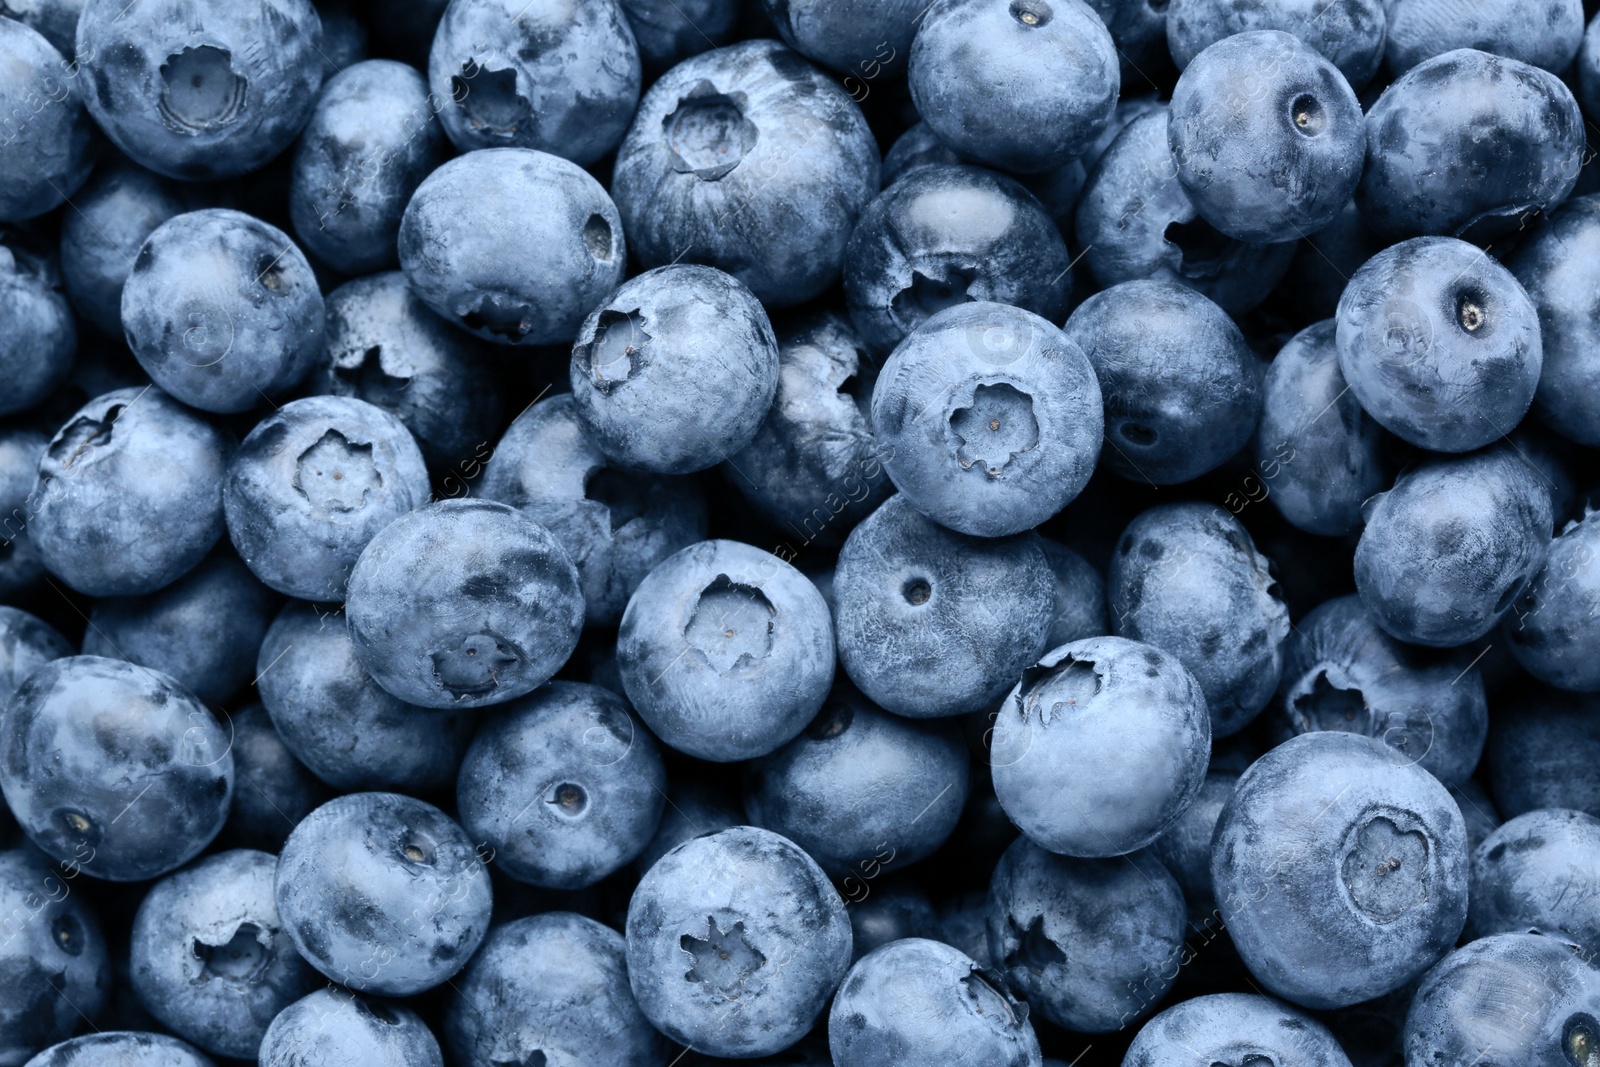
(865, 533)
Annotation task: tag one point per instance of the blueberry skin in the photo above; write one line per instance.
(726, 651)
(1556, 266)
(919, 146)
(374, 741)
(946, 234)
(762, 933)
(1267, 135)
(1178, 563)
(1233, 1026)
(1136, 221)
(222, 310)
(198, 91)
(1317, 450)
(814, 465)
(1100, 747)
(991, 418)
(1554, 626)
(964, 925)
(20, 565)
(1348, 33)
(114, 214)
(1138, 28)
(1022, 87)
(1538, 873)
(860, 785)
(1440, 344)
(1080, 596)
(551, 986)
(1478, 811)
(49, 140)
(755, 130)
(675, 371)
(1341, 671)
(1185, 849)
(26, 644)
(382, 893)
(121, 1048)
(1448, 550)
(515, 246)
(668, 31)
(616, 524)
(921, 1001)
(892, 911)
(209, 957)
(74, 732)
(55, 20)
(693, 807)
(371, 140)
(1467, 143)
(203, 630)
(334, 1025)
(1076, 936)
(1296, 864)
(41, 338)
(1182, 388)
(53, 959)
(561, 78)
(1545, 752)
(1465, 1005)
(1589, 68)
(312, 485)
(564, 784)
(862, 39)
(272, 790)
(932, 623)
(407, 592)
(1546, 35)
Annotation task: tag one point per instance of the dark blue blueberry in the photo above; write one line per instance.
(1018, 84)
(862, 39)
(344, 36)
(1058, 190)
(670, 31)
(1100, 747)
(1091, 944)
(112, 217)
(1545, 33)
(209, 957)
(26, 644)
(693, 807)
(675, 371)
(40, 340)
(1323, 263)
(1178, 564)
(891, 911)
(1157, 348)
(1185, 850)
(542, 74)
(1342, 672)
(1544, 751)
(1477, 810)
(921, 1001)
(47, 137)
(931, 622)
(726, 651)
(513, 245)
(370, 142)
(964, 925)
(1128, 109)
(1448, 550)
(407, 601)
(751, 133)
(1553, 629)
(550, 989)
(201, 91)
(383, 893)
(312, 485)
(87, 740)
(735, 942)
(1589, 68)
(222, 310)
(919, 146)
(334, 1026)
(1080, 596)
(272, 790)
(121, 1048)
(1138, 28)
(1234, 1026)
(1470, 144)
(990, 418)
(862, 790)
(1340, 869)
(1348, 33)
(56, 20)
(1539, 872)
(20, 565)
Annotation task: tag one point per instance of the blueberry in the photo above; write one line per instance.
(1343, 672)
(1340, 869)
(891, 911)
(333, 1026)
(20, 565)
(726, 651)
(1545, 34)
(213, 92)
(1223, 1026)
(272, 790)
(40, 340)
(308, 665)
(541, 74)
(112, 217)
(693, 807)
(209, 957)
(1589, 68)
(312, 485)
(945, 235)
(675, 371)
(515, 246)
(1348, 33)
(670, 31)
(1537, 873)
(1185, 849)
(965, 1016)
(1477, 810)
(863, 40)
(86, 739)
(1138, 28)
(754, 129)
(26, 644)
(553, 989)
(1448, 550)
(405, 599)
(1128, 108)
(919, 146)
(382, 893)
(735, 942)
(222, 310)
(121, 1048)
(861, 790)
(1545, 752)
(49, 140)
(1018, 84)
(56, 20)
(1155, 347)
(931, 622)
(964, 925)
(1554, 627)
(370, 142)
(1100, 747)
(1080, 596)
